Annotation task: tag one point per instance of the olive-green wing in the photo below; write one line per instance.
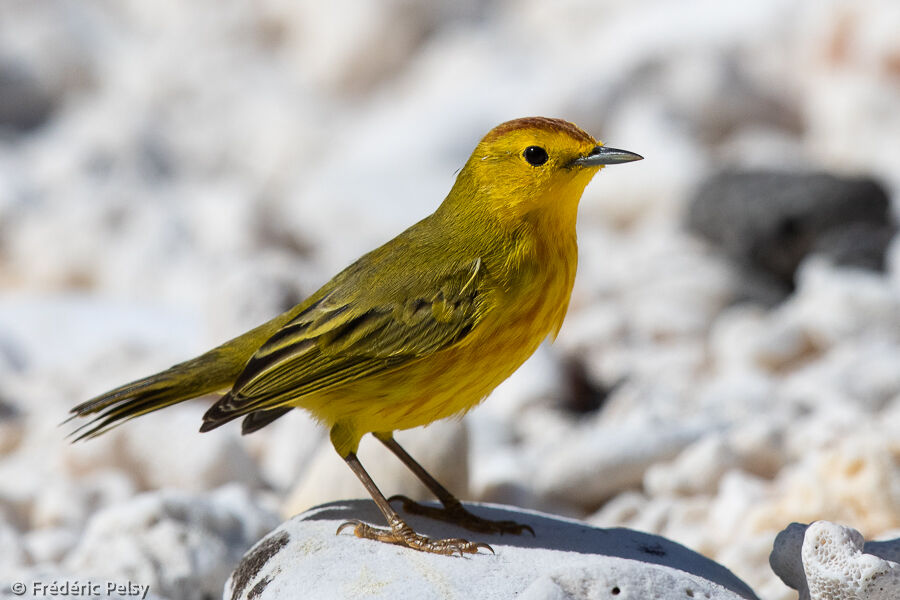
(349, 334)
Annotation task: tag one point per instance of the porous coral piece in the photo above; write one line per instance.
(836, 565)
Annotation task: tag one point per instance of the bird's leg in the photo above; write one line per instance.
(453, 510)
(399, 531)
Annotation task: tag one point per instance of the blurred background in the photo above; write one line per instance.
(172, 174)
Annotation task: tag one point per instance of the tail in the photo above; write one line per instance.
(213, 371)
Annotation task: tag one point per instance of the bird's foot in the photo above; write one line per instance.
(454, 512)
(403, 535)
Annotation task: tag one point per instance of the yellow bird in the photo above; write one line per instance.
(420, 329)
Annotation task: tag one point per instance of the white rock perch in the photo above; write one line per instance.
(303, 558)
(826, 561)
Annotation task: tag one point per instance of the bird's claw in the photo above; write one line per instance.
(457, 514)
(403, 535)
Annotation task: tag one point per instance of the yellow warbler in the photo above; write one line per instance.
(420, 329)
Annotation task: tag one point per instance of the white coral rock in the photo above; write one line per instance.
(566, 559)
(835, 563)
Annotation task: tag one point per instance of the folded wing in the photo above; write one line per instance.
(349, 335)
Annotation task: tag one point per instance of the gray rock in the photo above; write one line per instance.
(565, 560)
(11, 425)
(768, 222)
(181, 545)
(24, 102)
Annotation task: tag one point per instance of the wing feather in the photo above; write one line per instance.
(343, 338)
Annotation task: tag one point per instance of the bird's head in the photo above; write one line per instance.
(532, 164)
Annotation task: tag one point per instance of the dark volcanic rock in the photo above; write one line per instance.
(768, 222)
(24, 102)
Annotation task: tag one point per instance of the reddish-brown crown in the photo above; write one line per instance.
(547, 124)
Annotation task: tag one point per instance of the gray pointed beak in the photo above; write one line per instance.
(604, 155)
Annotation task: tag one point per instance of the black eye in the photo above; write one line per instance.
(535, 155)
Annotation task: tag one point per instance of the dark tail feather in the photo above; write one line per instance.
(261, 418)
(131, 405)
(227, 409)
(214, 371)
(233, 406)
(219, 413)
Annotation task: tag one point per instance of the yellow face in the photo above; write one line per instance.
(529, 168)
(528, 163)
